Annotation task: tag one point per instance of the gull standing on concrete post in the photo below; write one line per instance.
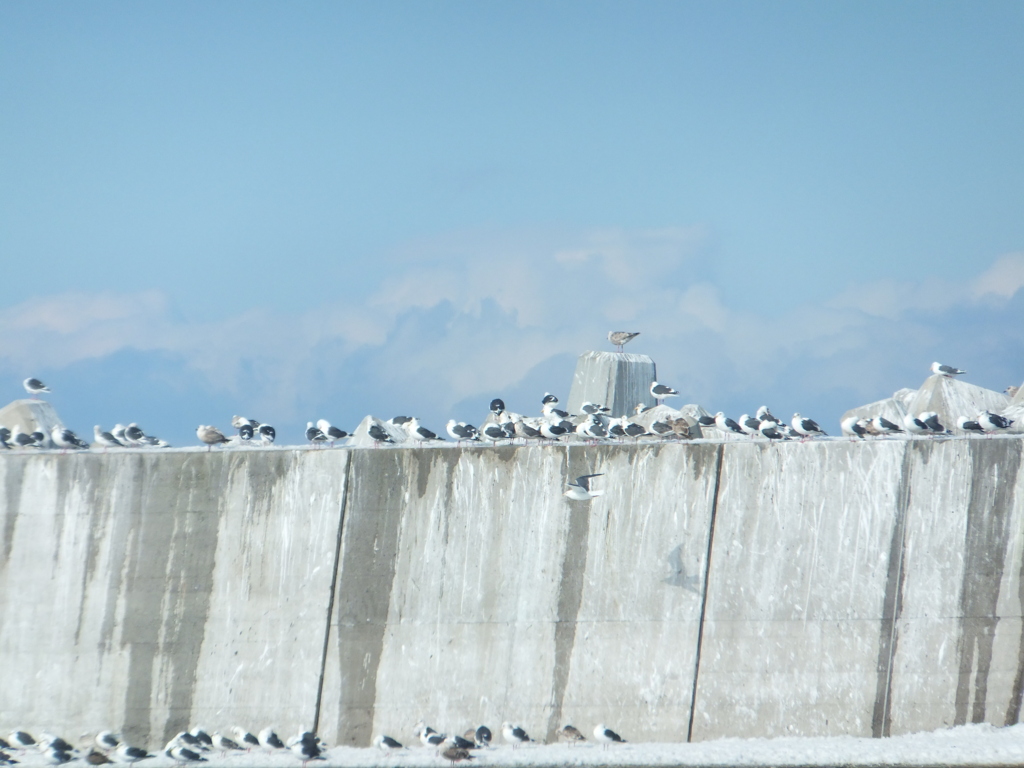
(966, 425)
(883, 426)
(946, 370)
(620, 338)
(314, 435)
(267, 434)
(332, 433)
(806, 427)
(210, 435)
(580, 490)
(660, 391)
(854, 427)
(34, 387)
(727, 425)
(993, 422)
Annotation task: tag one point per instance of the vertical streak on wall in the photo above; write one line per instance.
(704, 589)
(330, 599)
(570, 595)
(892, 606)
(994, 466)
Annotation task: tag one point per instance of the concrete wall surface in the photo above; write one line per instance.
(714, 589)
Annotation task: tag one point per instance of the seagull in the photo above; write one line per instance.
(223, 743)
(210, 435)
(513, 734)
(6, 759)
(314, 435)
(128, 754)
(806, 427)
(553, 430)
(883, 426)
(592, 409)
(592, 428)
(946, 370)
(107, 740)
(54, 756)
(570, 734)
(770, 430)
(659, 391)
(931, 420)
(267, 434)
(49, 741)
(182, 754)
(580, 490)
(641, 408)
(749, 424)
(5, 435)
(993, 422)
(455, 754)
(202, 739)
(460, 430)
(854, 427)
(483, 736)
(634, 430)
(621, 338)
(65, 438)
(428, 736)
(134, 435)
(239, 421)
(22, 440)
(965, 425)
(245, 739)
(270, 740)
(528, 428)
(661, 428)
(418, 433)
(914, 425)
(607, 736)
(306, 748)
(497, 406)
(399, 421)
(493, 432)
(548, 399)
(547, 408)
(34, 387)
(763, 414)
(118, 432)
(96, 758)
(617, 427)
(386, 743)
(706, 421)
(461, 742)
(330, 432)
(21, 739)
(727, 425)
(246, 432)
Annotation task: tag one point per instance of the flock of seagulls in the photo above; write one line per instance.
(195, 746)
(455, 748)
(593, 424)
(199, 746)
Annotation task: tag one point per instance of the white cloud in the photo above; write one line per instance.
(1002, 280)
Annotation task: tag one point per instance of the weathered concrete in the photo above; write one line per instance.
(30, 415)
(618, 380)
(807, 588)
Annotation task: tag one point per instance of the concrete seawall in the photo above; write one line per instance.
(738, 589)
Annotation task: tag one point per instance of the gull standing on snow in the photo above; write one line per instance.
(621, 338)
(570, 734)
(946, 370)
(514, 735)
(580, 490)
(607, 736)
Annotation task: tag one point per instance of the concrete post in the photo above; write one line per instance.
(618, 380)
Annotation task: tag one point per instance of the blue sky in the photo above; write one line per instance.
(331, 209)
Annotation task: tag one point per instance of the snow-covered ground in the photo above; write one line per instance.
(971, 745)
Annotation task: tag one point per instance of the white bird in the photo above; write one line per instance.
(245, 739)
(914, 425)
(641, 408)
(134, 435)
(417, 432)
(514, 735)
(806, 427)
(993, 422)
(267, 434)
(180, 754)
(125, 753)
(770, 429)
(592, 428)
(592, 409)
(580, 490)
(331, 432)
(54, 756)
(931, 420)
(34, 386)
(269, 739)
(65, 438)
(621, 338)
(966, 425)
(659, 391)
(223, 743)
(428, 736)
(21, 739)
(307, 749)
(749, 424)
(314, 435)
(239, 421)
(607, 736)
(853, 427)
(385, 743)
(883, 426)
(946, 370)
(727, 425)
(460, 430)
(209, 435)
(106, 740)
